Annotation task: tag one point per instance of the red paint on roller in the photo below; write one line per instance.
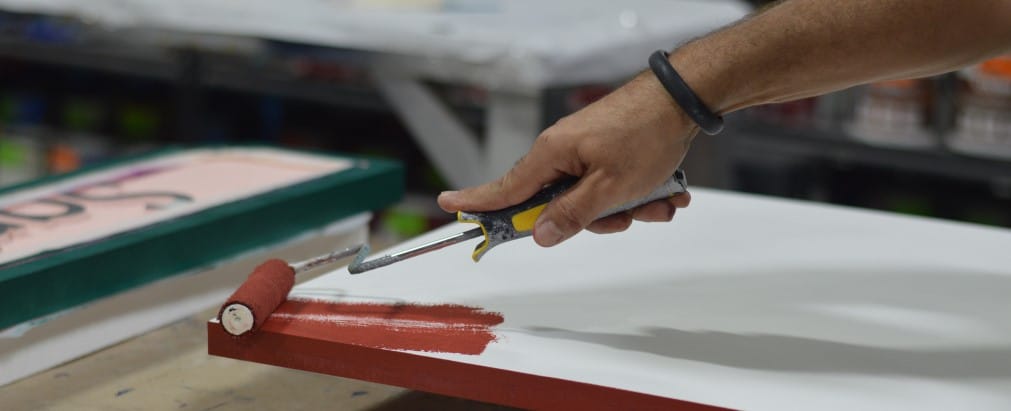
(434, 328)
(265, 289)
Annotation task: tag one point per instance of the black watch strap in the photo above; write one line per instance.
(709, 122)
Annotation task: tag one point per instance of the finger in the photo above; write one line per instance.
(526, 178)
(662, 210)
(655, 211)
(575, 209)
(611, 224)
(681, 200)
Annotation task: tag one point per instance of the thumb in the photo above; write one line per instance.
(569, 213)
(526, 178)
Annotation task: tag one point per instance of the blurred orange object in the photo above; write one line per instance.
(999, 66)
(62, 159)
(983, 117)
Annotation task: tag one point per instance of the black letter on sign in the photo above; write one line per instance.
(5, 227)
(176, 198)
(69, 209)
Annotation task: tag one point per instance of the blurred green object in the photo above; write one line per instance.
(909, 204)
(405, 223)
(83, 115)
(12, 154)
(377, 152)
(138, 122)
(6, 109)
(433, 178)
(986, 215)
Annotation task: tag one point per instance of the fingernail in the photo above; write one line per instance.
(547, 234)
(448, 195)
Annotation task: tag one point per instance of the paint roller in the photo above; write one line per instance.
(267, 287)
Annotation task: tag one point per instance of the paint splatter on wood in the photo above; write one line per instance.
(434, 328)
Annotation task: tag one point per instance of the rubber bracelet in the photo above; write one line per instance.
(709, 122)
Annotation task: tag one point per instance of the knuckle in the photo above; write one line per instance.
(546, 134)
(569, 218)
(544, 141)
(561, 122)
(506, 188)
(598, 228)
(621, 222)
(551, 138)
(502, 184)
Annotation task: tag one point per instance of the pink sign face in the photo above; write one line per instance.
(96, 205)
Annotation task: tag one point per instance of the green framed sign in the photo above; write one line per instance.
(70, 239)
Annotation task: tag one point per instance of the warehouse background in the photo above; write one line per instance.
(73, 93)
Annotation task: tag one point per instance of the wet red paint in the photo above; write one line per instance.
(366, 341)
(302, 346)
(433, 328)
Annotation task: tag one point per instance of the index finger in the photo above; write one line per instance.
(530, 174)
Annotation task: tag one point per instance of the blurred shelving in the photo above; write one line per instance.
(755, 140)
(817, 149)
(178, 88)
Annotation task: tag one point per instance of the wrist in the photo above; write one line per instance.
(708, 121)
(667, 111)
(702, 77)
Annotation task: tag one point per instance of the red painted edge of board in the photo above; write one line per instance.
(474, 382)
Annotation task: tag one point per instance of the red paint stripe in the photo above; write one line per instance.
(434, 328)
(433, 375)
(441, 313)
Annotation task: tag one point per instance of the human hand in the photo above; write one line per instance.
(621, 147)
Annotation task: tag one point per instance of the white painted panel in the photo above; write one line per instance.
(744, 302)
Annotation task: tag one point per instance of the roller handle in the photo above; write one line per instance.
(522, 216)
(517, 221)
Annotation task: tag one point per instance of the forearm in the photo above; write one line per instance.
(622, 145)
(801, 48)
